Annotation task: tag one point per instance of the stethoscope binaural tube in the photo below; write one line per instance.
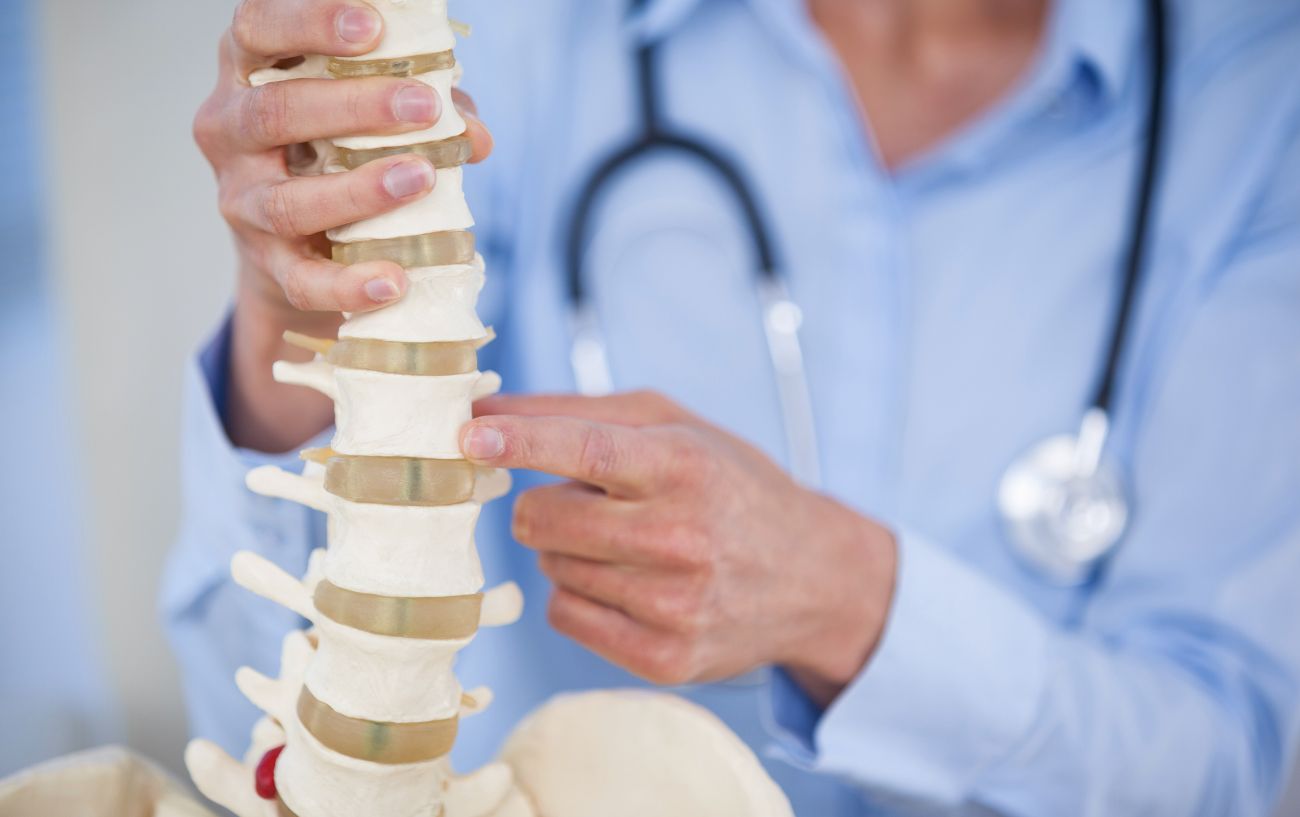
(781, 317)
(1065, 506)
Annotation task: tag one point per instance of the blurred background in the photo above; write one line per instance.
(114, 265)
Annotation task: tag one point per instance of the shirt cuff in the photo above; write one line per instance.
(950, 690)
(220, 515)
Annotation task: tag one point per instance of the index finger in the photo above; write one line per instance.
(641, 408)
(624, 461)
(265, 31)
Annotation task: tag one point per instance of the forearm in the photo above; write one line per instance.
(1129, 733)
(973, 697)
(261, 414)
(846, 610)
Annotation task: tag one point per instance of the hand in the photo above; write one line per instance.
(278, 219)
(681, 553)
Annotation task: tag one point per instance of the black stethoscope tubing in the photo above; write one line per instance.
(1144, 206)
(656, 137)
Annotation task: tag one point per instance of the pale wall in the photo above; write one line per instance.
(141, 270)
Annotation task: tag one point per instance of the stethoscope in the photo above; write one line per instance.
(1064, 504)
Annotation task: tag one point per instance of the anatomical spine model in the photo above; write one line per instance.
(367, 707)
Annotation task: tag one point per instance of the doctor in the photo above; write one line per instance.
(961, 227)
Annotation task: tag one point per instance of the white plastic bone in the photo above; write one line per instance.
(502, 606)
(442, 210)
(312, 779)
(392, 415)
(581, 756)
(267, 735)
(450, 124)
(317, 374)
(388, 549)
(412, 28)
(319, 782)
(475, 701)
(492, 483)
(398, 551)
(362, 674)
(491, 784)
(266, 579)
(487, 386)
(515, 805)
(224, 781)
(268, 480)
(312, 66)
(637, 753)
(439, 306)
(265, 693)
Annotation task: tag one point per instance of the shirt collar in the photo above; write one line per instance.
(660, 18)
(1100, 36)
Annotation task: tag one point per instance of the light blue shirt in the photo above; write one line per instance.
(955, 313)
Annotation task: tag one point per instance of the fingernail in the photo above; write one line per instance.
(465, 106)
(357, 25)
(408, 178)
(484, 443)
(382, 290)
(471, 119)
(416, 103)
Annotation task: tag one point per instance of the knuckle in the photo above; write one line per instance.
(464, 101)
(661, 402)
(265, 112)
(228, 205)
(681, 610)
(557, 613)
(548, 565)
(668, 662)
(658, 407)
(685, 546)
(343, 293)
(205, 128)
(686, 448)
(278, 212)
(243, 27)
(523, 520)
(694, 463)
(598, 457)
(295, 289)
(357, 196)
(622, 540)
(357, 103)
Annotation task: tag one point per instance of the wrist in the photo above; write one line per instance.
(260, 413)
(851, 611)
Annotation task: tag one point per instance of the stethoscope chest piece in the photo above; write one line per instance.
(1064, 507)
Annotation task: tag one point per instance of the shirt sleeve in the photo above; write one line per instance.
(214, 625)
(1174, 688)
